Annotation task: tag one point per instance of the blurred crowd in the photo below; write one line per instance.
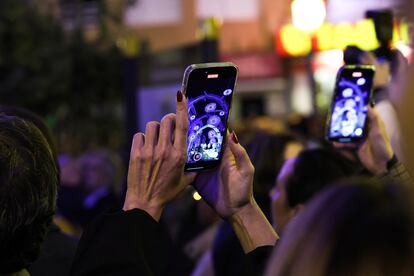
(332, 208)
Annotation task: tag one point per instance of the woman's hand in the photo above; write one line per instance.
(156, 167)
(229, 191)
(376, 150)
(230, 188)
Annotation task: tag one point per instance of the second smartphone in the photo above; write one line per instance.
(209, 88)
(352, 95)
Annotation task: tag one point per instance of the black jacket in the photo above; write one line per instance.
(123, 243)
(133, 243)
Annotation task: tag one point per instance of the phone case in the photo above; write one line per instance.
(187, 73)
(192, 67)
(329, 118)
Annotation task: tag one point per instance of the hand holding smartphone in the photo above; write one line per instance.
(209, 89)
(352, 95)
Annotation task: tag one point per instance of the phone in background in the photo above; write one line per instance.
(209, 89)
(353, 90)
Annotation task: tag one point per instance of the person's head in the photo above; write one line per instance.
(35, 119)
(97, 169)
(301, 178)
(28, 188)
(267, 153)
(357, 227)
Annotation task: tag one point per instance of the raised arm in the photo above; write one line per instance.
(156, 167)
(131, 242)
(376, 153)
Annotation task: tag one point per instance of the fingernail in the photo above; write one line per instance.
(179, 96)
(234, 138)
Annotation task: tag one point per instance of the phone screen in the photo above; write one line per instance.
(209, 93)
(350, 103)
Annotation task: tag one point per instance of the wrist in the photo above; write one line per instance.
(153, 209)
(250, 210)
(252, 228)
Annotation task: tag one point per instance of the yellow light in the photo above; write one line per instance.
(343, 36)
(364, 35)
(324, 37)
(405, 32)
(308, 15)
(296, 42)
(129, 45)
(196, 196)
(209, 28)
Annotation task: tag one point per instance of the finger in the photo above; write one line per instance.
(151, 134)
(181, 123)
(166, 130)
(227, 154)
(137, 143)
(240, 155)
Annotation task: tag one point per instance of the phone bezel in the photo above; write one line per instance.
(328, 122)
(196, 72)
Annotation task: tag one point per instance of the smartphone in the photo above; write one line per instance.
(209, 89)
(352, 94)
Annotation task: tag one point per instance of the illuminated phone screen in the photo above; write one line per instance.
(350, 104)
(209, 95)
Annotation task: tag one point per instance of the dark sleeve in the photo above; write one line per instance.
(123, 243)
(228, 255)
(229, 258)
(257, 259)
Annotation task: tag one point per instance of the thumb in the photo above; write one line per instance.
(240, 155)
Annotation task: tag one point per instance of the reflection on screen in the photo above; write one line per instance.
(208, 108)
(350, 106)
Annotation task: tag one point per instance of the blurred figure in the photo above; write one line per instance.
(349, 229)
(268, 153)
(70, 195)
(308, 128)
(87, 188)
(191, 225)
(303, 177)
(388, 79)
(359, 227)
(97, 178)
